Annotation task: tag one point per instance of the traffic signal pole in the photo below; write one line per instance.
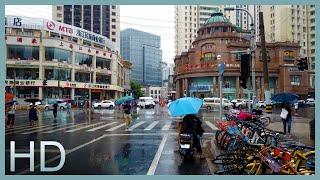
(267, 93)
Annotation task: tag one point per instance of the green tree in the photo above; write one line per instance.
(136, 88)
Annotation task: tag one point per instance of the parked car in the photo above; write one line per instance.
(104, 104)
(214, 103)
(239, 103)
(310, 102)
(36, 103)
(146, 102)
(261, 104)
(49, 104)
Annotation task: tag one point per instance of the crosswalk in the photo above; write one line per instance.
(103, 126)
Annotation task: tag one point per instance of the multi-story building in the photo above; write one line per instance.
(188, 19)
(142, 49)
(127, 75)
(196, 70)
(311, 42)
(100, 19)
(49, 59)
(293, 23)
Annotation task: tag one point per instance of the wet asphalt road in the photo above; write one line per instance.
(97, 143)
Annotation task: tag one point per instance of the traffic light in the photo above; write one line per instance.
(45, 83)
(244, 70)
(302, 64)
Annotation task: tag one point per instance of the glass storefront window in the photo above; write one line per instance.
(23, 52)
(82, 77)
(83, 59)
(58, 54)
(103, 79)
(27, 92)
(102, 63)
(58, 74)
(20, 73)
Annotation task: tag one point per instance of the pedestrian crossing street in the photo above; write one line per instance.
(104, 126)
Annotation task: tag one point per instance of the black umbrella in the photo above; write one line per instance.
(9, 103)
(32, 100)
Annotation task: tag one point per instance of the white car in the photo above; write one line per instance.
(261, 104)
(214, 103)
(104, 104)
(146, 102)
(239, 103)
(310, 102)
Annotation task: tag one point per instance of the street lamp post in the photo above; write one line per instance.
(252, 51)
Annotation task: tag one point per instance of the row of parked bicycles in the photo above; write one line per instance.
(250, 148)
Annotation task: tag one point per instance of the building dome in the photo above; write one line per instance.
(217, 17)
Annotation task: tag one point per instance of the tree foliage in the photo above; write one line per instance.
(136, 89)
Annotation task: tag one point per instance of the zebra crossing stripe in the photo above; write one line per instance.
(166, 126)
(59, 129)
(212, 126)
(84, 127)
(32, 128)
(100, 127)
(17, 127)
(136, 125)
(39, 130)
(116, 127)
(151, 126)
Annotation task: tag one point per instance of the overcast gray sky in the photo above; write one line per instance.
(155, 19)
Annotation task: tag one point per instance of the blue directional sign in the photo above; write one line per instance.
(221, 69)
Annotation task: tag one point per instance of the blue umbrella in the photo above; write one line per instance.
(124, 99)
(285, 98)
(184, 106)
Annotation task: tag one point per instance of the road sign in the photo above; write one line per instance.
(221, 69)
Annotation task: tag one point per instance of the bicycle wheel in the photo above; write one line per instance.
(221, 138)
(254, 166)
(307, 166)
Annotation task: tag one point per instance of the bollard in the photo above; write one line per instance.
(268, 108)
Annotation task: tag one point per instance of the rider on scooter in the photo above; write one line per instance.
(191, 124)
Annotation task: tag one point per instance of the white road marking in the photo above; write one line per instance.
(32, 128)
(100, 127)
(17, 128)
(166, 126)
(59, 129)
(212, 126)
(154, 164)
(39, 130)
(151, 126)
(136, 125)
(84, 127)
(116, 127)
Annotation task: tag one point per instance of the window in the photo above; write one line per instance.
(152, 92)
(58, 74)
(56, 54)
(59, 15)
(23, 73)
(83, 59)
(82, 77)
(113, 7)
(295, 80)
(113, 26)
(102, 63)
(268, 56)
(113, 40)
(113, 33)
(113, 20)
(288, 56)
(227, 84)
(59, 8)
(22, 52)
(113, 13)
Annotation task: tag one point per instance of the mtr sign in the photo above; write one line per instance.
(59, 27)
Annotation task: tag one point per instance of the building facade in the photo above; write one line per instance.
(196, 71)
(100, 19)
(311, 43)
(143, 51)
(49, 59)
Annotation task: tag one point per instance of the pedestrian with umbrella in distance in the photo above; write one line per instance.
(33, 112)
(55, 109)
(286, 99)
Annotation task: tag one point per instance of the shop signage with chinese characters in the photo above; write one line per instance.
(11, 82)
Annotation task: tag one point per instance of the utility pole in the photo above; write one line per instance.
(265, 64)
